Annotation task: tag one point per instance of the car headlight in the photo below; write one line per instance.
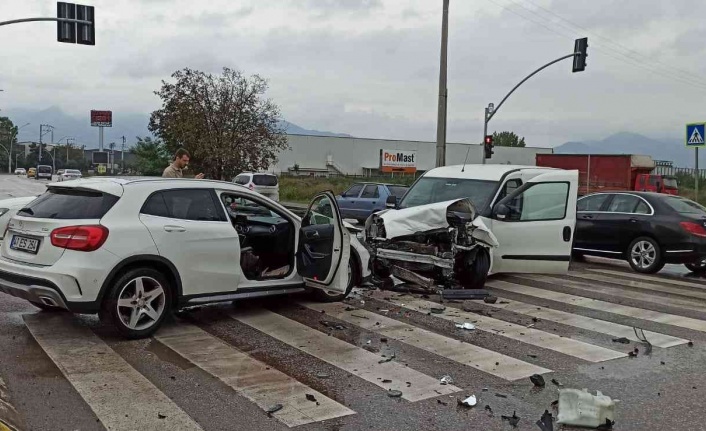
(3, 211)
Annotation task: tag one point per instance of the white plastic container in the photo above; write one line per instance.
(579, 408)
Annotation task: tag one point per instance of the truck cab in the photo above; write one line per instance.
(656, 183)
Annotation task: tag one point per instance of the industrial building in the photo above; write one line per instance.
(328, 155)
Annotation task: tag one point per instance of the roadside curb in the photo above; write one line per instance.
(9, 418)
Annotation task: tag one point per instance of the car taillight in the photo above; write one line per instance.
(80, 238)
(693, 228)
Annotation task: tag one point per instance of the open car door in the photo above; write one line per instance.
(323, 250)
(535, 225)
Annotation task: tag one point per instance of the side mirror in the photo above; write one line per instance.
(501, 211)
(391, 202)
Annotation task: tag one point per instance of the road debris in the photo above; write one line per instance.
(446, 380)
(537, 380)
(394, 393)
(387, 381)
(468, 402)
(466, 325)
(499, 395)
(311, 398)
(444, 403)
(556, 382)
(621, 340)
(350, 309)
(545, 423)
(690, 344)
(489, 410)
(161, 416)
(580, 408)
(332, 325)
(358, 316)
(661, 362)
(383, 340)
(632, 354)
(322, 375)
(275, 408)
(464, 293)
(490, 299)
(513, 420)
(382, 361)
(437, 310)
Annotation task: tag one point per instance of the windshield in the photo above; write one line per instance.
(670, 183)
(685, 206)
(44, 169)
(69, 204)
(431, 190)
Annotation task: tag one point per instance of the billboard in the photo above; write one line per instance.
(398, 161)
(101, 118)
(100, 157)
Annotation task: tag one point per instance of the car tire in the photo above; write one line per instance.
(697, 267)
(137, 302)
(45, 307)
(474, 273)
(353, 280)
(645, 255)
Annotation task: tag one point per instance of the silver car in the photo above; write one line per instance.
(69, 174)
(265, 184)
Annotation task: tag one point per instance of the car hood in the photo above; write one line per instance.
(424, 218)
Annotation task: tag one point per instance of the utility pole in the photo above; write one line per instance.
(122, 156)
(443, 91)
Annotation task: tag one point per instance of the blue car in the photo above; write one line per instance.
(362, 199)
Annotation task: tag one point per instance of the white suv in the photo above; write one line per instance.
(265, 184)
(134, 250)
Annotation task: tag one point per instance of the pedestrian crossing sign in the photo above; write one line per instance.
(695, 135)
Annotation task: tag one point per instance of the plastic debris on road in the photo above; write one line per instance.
(537, 380)
(468, 402)
(513, 420)
(446, 380)
(545, 423)
(580, 408)
(394, 394)
(275, 408)
(466, 325)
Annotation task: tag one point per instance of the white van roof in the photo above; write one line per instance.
(480, 172)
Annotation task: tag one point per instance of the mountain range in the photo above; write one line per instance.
(128, 125)
(132, 125)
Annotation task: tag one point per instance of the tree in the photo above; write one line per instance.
(152, 156)
(508, 139)
(8, 137)
(224, 121)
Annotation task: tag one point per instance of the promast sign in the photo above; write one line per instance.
(398, 161)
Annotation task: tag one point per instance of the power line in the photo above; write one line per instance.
(623, 57)
(623, 47)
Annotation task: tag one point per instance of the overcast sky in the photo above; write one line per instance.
(370, 68)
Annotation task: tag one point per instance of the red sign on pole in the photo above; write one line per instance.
(101, 118)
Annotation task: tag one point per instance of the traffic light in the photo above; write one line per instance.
(66, 31)
(72, 32)
(488, 146)
(580, 47)
(86, 33)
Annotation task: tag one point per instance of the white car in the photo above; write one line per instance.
(456, 225)
(69, 174)
(8, 208)
(134, 250)
(20, 171)
(265, 184)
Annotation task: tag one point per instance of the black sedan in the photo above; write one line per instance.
(646, 229)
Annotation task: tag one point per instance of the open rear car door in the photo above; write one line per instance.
(535, 225)
(323, 250)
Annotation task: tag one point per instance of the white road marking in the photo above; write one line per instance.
(121, 397)
(485, 360)
(345, 356)
(259, 383)
(657, 278)
(700, 294)
(693, 304)
(535, 337)
(608, 307)
(583, 322)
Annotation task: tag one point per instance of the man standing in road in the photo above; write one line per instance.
(181, 161)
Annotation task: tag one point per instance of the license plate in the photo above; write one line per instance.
(22, 243)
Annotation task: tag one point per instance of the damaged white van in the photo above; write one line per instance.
(456, 225)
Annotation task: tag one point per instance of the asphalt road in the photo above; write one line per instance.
(221, 367)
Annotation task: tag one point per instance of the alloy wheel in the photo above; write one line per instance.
(643, 254)
(141, 303)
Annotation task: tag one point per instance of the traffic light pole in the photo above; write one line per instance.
(16, 21)
(490, 114)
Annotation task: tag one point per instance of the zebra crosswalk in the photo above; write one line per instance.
(288, 397)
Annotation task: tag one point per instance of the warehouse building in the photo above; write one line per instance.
(329, 155)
